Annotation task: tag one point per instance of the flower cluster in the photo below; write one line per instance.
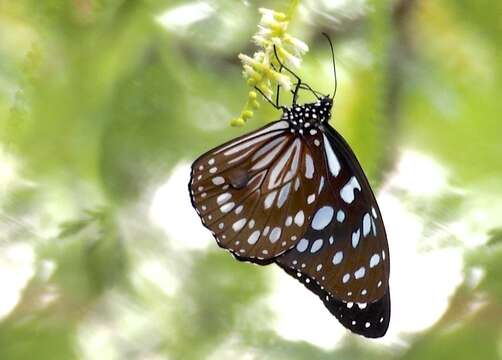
(262, 70)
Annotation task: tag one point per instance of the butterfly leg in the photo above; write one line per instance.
(305, 86)
(278, 90)
(266, 98)
(299, 81)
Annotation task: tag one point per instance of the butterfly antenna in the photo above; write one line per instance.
(334, 63)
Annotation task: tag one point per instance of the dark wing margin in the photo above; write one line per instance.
(369, 320)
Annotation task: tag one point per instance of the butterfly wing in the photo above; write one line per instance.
(255, 192)
(370, 319)
(343, 255)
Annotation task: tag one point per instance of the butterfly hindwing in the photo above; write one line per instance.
(344, 250)
(367, 319)
(256, 193)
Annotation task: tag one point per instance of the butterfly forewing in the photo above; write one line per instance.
(257, 193)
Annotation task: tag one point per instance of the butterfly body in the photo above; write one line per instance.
(294, 194)
(307, 117)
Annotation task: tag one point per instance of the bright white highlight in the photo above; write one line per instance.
(172, 212)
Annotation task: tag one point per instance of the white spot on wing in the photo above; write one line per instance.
(275, 234)
(347, 192)
(337, 258)
(239, 224)
(297, 184)
(333, 163)
(355, 238)
(223, 198)
(375, 259)
(302, 245)
(322, 217)
(270, 199)
(316, 246)
(283, 195)
(346, 278)
(299, 218)
(309, 167)
(227, 207)
(253, 238)
(366, 224)
(218, 180)
(360, 272)
(321, 185)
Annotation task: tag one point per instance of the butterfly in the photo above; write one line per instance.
(293, 193)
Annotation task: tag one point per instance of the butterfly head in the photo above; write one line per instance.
(310, 115)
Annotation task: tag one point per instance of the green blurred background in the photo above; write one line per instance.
(104, 104)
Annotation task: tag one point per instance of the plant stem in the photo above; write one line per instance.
(292, 8)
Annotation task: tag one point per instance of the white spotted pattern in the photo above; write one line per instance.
(223, 198)
(355, 238)
(375, 259)
(309, 167)
(316, 246)
(218, 180)
(253, 238)
(269, 200)
(322, 217)
(283, 195)
(360, 272)
(238, 225)
(340, 216)
(366, 224)
(337, 258)
(275, 234)
(347, 192)
(299, 218)
(302, 245)
(227, 207)
(333, 163)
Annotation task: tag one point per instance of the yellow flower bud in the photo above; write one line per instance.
(237, 122)
(279, 16)
(247, 114)
(252, 95)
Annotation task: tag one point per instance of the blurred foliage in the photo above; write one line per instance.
(99, 99)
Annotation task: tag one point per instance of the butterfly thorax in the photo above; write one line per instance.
(307, 116)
